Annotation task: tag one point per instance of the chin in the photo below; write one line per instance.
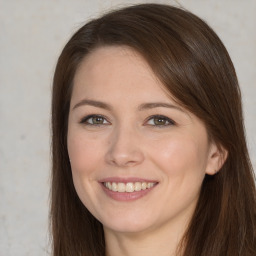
(126, 228)
(131, 224)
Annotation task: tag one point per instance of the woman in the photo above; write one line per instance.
(149, 151)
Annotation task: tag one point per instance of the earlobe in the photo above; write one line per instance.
(217, 157)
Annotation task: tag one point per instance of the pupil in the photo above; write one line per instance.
(97, 120)
(159, 121)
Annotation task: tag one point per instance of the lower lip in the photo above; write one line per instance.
(126, 196)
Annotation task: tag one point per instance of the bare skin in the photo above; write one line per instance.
(124, 128)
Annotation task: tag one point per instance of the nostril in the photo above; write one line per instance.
(124, 157)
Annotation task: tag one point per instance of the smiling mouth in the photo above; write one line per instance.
(129, 186)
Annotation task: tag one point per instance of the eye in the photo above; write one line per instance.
(159, 120)
(94, 120)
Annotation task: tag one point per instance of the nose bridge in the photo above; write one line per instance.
(124, 147)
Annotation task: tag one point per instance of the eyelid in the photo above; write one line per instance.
(86, 118)
(170, 121)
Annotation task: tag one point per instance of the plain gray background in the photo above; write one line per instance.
(32, 34)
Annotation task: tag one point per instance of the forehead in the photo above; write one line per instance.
(117, 70)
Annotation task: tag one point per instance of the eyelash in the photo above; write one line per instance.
(160, 117)
(170, 122)
(85, 119)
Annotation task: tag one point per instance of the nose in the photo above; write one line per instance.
(125, 149)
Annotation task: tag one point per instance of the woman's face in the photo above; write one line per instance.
(138, 159)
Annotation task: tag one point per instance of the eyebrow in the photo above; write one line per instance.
(98, 104)
(142, 107)
(145, 106)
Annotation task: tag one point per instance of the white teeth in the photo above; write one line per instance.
(137, 186)
(113, 186)
(128, 187)
(109, 185)
(143, 185)
(150, 185)
(121, 187)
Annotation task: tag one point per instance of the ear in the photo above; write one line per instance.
(216, 158)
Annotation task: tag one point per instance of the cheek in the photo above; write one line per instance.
(85, 158)
(84, 153)
(182, 162)
(180, 155)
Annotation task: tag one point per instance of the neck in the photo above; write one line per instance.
(164, 241)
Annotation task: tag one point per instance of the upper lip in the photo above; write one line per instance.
(126, 179)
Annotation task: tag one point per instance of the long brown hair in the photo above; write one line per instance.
(194, 66)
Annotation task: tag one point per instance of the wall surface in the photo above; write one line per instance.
(32, 34)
